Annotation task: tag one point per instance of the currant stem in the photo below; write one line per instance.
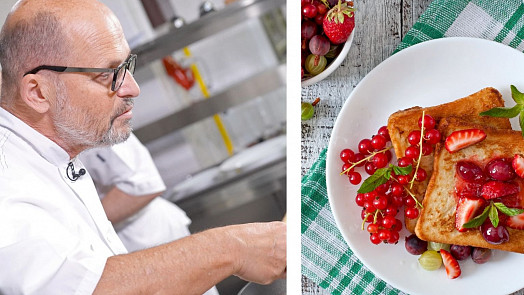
(365, 159)
(420, 151)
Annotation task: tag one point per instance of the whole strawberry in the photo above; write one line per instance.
(339, 22)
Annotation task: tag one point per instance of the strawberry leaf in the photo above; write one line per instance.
(517, 96)
(372, 182)
(508, 211)
(493, 215)
(479, 220)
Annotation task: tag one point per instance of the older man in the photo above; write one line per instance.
(67, 87)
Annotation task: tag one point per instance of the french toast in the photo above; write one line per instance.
(401, 123)
(438, 218)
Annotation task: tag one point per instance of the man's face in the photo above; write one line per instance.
(87, 112)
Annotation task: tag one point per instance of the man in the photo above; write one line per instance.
(67, 87)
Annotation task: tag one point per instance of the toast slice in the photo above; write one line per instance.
(437, 218)
(401, 123)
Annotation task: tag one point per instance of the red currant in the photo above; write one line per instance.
(397, 201)
(388, 155)
(378, 142)
(354, 177)
(365, 147)
(414, 137)
(373, 228)
(391, 210)
(397, 189)
(404, 162)
(381, 202)
(384, 132)
(369, 217)
(394, 237)
(411, 213)
(319, 19)
(388, 221)
(370, 196)
(403, 179)
(309, 11)
(359, 199)
(380, 160)
(375, 239)
(345, 168)
(412, 152)
(429, 122)
(370, 168)
(409, 202)
(347, 156)
(321, 9)
(358, 159)
(383, 188)
(421, 175)
(433, 136)
(398, 225)
(427, 148)
(384, 234)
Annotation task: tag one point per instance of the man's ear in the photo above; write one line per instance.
(33, 91)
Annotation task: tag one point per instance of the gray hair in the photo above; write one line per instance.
(27, 44)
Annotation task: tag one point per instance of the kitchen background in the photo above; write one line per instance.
(212, 108)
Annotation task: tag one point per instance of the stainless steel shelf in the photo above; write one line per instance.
(208, 25)
(244, 91)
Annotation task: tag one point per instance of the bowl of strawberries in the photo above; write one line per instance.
(327, 33)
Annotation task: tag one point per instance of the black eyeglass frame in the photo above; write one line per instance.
(129, 65)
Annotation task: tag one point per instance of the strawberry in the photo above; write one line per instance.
(463, 138)
(516, 222)
(451, 264)
(467, 207)
(518, 165)
(339, 22)
(496, 189)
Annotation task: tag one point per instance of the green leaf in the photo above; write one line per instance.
(493, 215)
(521, 122)
(503, 112)
(508, 211)
(372, 182)
(403, 170)
(517, 96)
(479, 220)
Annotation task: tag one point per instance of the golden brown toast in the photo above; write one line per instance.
(437, 218)
(401, 123)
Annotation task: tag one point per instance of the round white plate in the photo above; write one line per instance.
(426, 74)
(333, 65)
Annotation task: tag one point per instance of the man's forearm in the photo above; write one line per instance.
(119, 206)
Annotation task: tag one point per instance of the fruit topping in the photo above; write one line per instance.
(467, 208)
(414, 245)
(516, 222)
(339, 23)
(480, 255)
(496, 189)
(518, 165)
(451, 264)
(470, 171)
(463, 138)
(494, 234)
(430, 260)
(460, 252)
(500, 169)
(437, 246)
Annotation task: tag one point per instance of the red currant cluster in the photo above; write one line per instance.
(372, 154)
(380, 208)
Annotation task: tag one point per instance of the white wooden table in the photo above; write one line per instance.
(380, 28)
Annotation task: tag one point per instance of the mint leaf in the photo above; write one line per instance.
(517, 96)
(372, 182)
(402, 170)
(521, 123)
(508, 211)
(493, 215)
(479, 220)
(501, 112)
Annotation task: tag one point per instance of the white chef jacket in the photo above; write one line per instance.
(130, 168)
(54, 235)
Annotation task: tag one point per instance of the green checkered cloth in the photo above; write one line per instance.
(326, 258)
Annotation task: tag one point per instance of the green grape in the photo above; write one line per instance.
(430, 260)
(307, 111)
(437, 246)
(315, 64)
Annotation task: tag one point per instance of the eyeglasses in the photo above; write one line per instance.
(119, 73)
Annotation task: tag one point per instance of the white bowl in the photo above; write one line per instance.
(330, 68)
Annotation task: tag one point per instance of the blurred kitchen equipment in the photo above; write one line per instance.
(177, 21)
(278, 287)
(206, 7)
(182, 76)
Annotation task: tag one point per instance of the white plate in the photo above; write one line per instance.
(333, 65)
(426, 74)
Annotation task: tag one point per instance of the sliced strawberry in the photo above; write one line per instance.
(467, 189)
(518, 165)
(496, 189)
(516, 222)
(511, 201)
(451, 264)
(467, 209)
(463, 138)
